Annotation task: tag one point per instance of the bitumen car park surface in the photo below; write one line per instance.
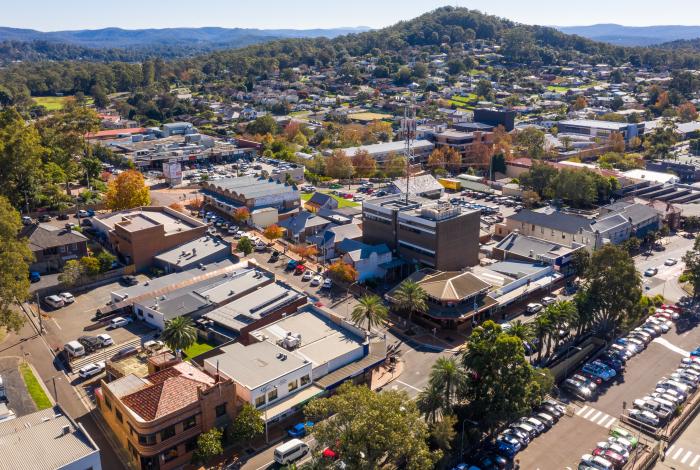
(590, 421)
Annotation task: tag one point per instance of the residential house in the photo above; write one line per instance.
(303, 225)
(366, 259)
(53, 246)
(320, 201)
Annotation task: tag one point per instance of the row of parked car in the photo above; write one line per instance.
(516, 438)
(611, 454)
(586, 383)
(657, 408)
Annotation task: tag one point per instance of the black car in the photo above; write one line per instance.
(63, 217)
(44, 218)
(91, 343)
(275, 257)
(129, 280)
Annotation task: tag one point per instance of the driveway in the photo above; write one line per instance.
(18, 399)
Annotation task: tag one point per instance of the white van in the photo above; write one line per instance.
(74, 349)
(290, 451)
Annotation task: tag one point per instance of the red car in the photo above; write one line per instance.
(675, 308)
(590, 377)
(611, 456)
(299, 269)
(348, 196)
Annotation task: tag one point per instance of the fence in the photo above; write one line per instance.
(89, 283)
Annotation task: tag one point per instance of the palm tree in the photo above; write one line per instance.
(541, 327)
(561, 316)
(410, 297)
(520, 330)
(447, 374)
(369, 311)
(179, 334)
(430, 402)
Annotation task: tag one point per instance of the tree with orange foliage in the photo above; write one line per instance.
(479, 153)
(453, 159)
(305, 251)
(580, 103)
(339, 165)
(196, 203)
(343, 272)
(687, 112)
(437, 159)
(502, 142)
(240, 215)
(127, 190)
(395, 165)
(662, 102)
(273, 232)
(177, 206)
(617, 142)
(364, 164)
(291, 130)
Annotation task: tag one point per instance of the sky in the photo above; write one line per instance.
(54, 15)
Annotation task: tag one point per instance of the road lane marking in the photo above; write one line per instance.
(666, 343)
(609, 424)
(588, 413)
(582, 410)
(408, 385)
(686, 457)
(678, 452)
(694, 461)
(604, 418)
(670, 449)
(595, 416)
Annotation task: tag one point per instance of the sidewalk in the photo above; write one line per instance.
(385, 374)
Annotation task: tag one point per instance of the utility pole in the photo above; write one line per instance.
(38, 312)
(408, 127)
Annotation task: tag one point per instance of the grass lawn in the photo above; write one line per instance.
(55, 103)
(197, 348)
(342, 202)
(557, 88)
(36, 391)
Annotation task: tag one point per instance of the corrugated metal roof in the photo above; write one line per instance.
(37, 442)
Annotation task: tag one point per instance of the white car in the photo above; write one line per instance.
(91, 370)
(117, 322)
(54, 301)
(153, 345)
(327, 284)
(533, 308)
(105, 339)
(317, 280)
(308, 275)
(651, 272)
(67, 297)
(548, 300)
(238, 234)
(670, 261)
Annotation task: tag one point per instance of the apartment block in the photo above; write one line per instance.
(435, 234)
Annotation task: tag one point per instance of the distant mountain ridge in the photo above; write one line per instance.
(127, 38)
(633, 35)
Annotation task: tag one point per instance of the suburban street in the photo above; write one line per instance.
(666, 281)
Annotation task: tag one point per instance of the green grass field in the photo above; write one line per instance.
(36, 391)
(56, 103)
(197, 348)
(342, 202)
(557, 88)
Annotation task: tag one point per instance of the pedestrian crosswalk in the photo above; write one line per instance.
(596, 416)
(683, 457)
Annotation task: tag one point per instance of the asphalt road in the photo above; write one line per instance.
(665, 282)
(18, 399)
(684, 453)
(576, 435)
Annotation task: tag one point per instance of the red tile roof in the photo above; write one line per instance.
(116, 132)
(171, 390)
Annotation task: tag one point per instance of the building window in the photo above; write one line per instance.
(191, 445)
(272, 395)
(147, 439)
(305, 380)
(167, 433)
(260, 401)
(150, 315)
(189, 422)
(293, 385)
(170, 454)
(108, 403)
(62, 249)
(119, 416)
(220, 410)
(132, 449)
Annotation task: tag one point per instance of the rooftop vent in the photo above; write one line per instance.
(65, 430)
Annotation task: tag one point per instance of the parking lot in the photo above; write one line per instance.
(591, 421)
(78, 319)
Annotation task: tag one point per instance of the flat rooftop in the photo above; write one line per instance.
(610, 125)
(256, 364)
(134, 220)
(37, 441)
(417, 206)
(195, 251)
(251, 187)
(322, 340)
(252, 307)
(384, 147)
(172, 280)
